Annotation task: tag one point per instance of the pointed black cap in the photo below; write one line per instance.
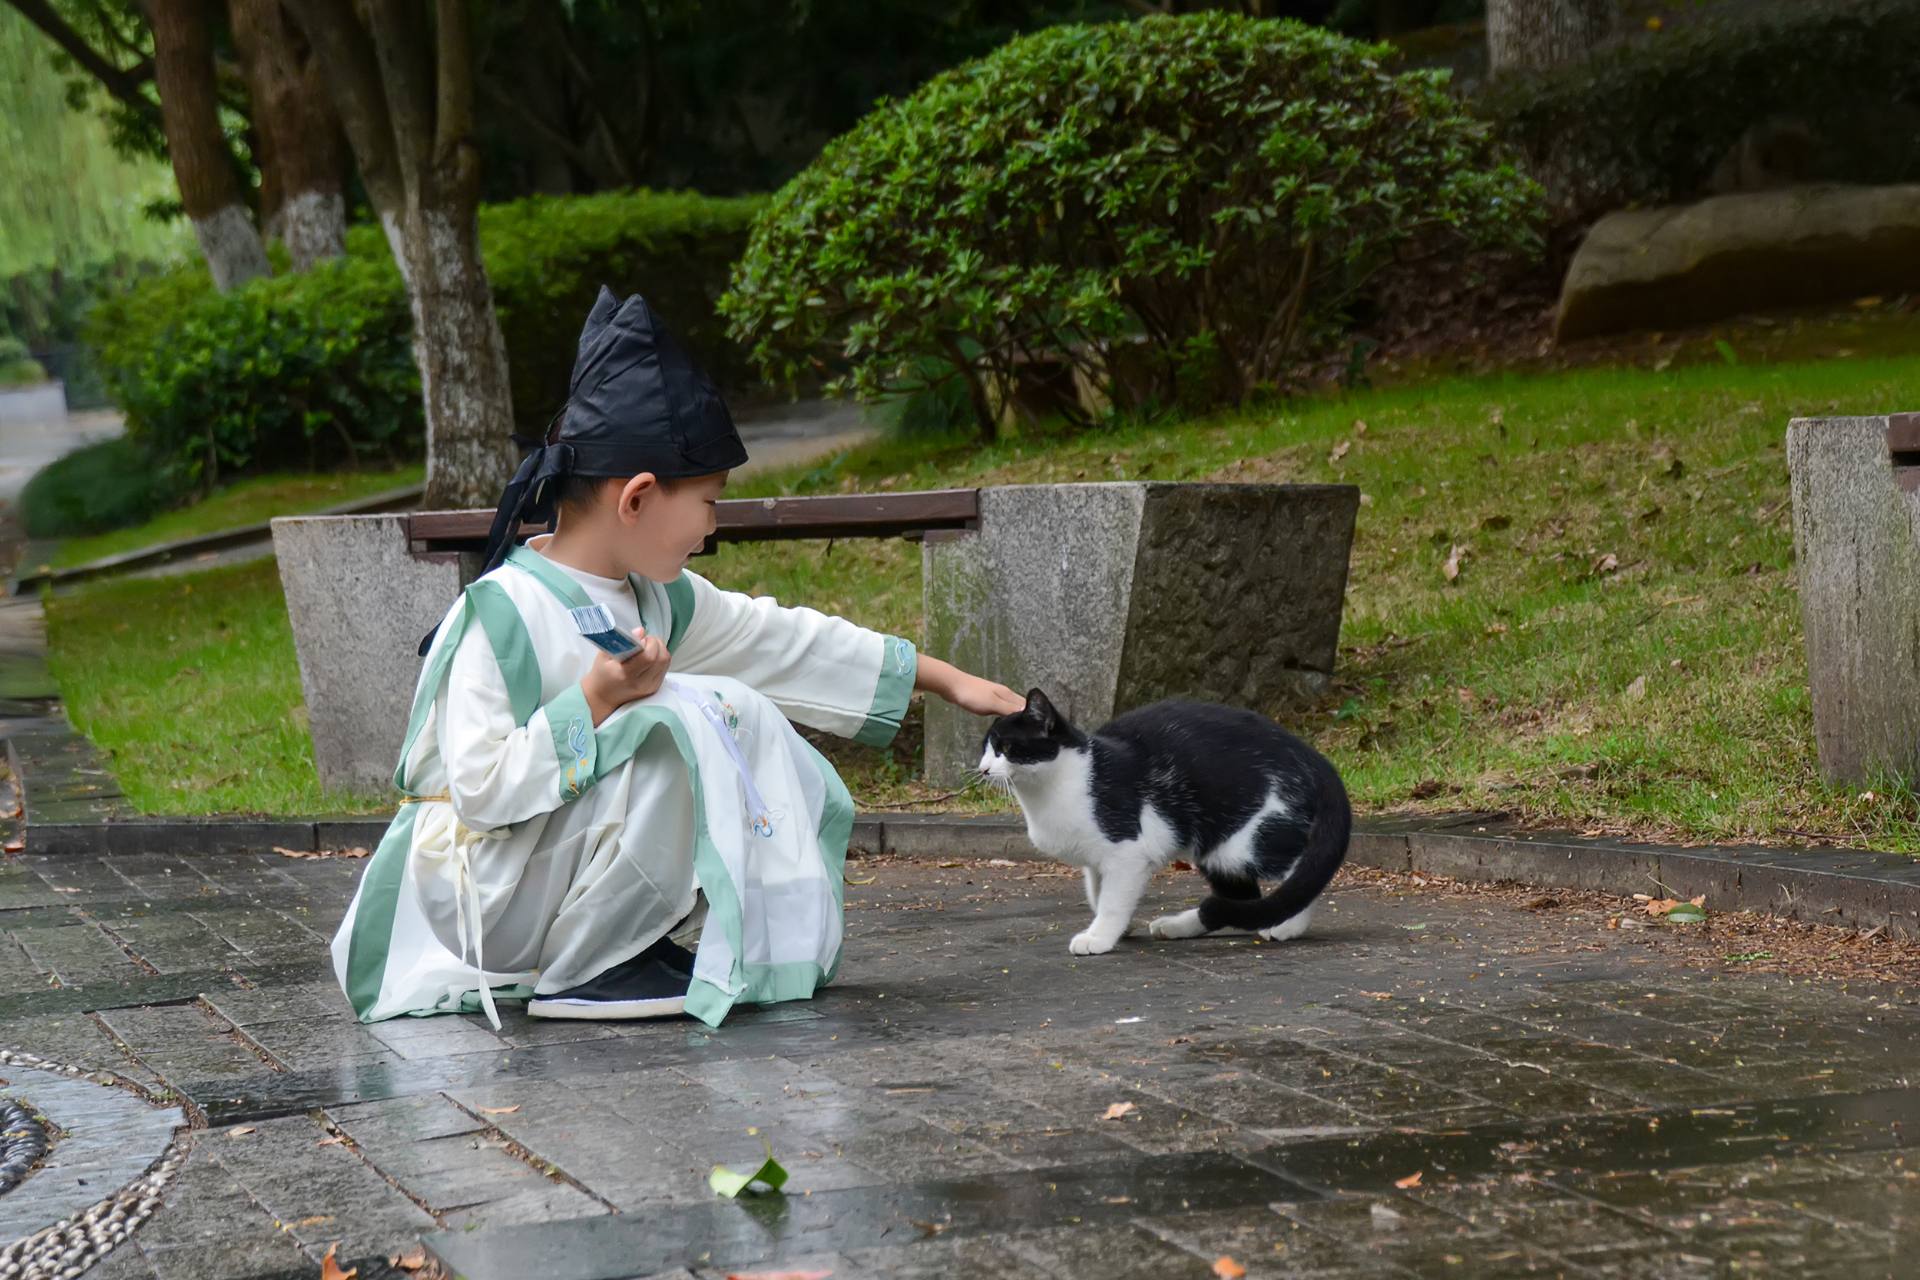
(638, 402)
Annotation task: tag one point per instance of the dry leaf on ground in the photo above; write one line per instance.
(415, 1261)
(1117, 1110)
(1227, 1269)
(1409, 1182)
(241, 1132)
(499, 1111)
(1451, 569)
(330, 1270)
(778, 1275)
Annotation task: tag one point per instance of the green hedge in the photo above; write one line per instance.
(316, 370)
(1175, 211)
(93, 489)
(1650, 120)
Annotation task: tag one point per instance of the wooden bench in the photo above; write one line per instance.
(432, 534)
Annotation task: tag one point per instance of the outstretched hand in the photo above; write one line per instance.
(968, 692)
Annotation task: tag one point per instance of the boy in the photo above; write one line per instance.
(563, 805)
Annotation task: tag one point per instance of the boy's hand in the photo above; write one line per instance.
(612, 684)
(968, 692)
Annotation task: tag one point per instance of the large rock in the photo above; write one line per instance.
(1690, 264)
(1113, 595)
(1856, 539)
(359, 603)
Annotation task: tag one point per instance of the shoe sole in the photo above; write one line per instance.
(607, 1010)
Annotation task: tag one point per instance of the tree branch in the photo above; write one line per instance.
(346, 55)
(453, 151)
(123, 84)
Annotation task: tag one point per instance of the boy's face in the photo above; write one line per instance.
(661, 525)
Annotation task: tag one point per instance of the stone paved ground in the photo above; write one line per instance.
(1429, 1085)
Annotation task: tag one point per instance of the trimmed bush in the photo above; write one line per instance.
(102, 486)
(316, 370)
(1812, 89)
(1174, 210)
(18, 368)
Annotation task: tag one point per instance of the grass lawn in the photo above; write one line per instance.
(1619, 651)
(190, 686)
(251, 501)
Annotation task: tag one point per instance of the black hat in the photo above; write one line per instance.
(636, 403)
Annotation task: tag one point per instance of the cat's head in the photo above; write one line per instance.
(1030, 737)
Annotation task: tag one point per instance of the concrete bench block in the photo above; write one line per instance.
(1856, 541)
(359, 603)
(1110, 596)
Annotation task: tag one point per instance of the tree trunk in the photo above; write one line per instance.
(202, 164)
(402, 80)
(461, 355)
(301, 153)
(1524, 34)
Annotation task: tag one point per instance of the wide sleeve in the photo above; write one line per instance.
(821, 671)
(499, 772)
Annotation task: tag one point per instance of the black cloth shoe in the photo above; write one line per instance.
(643, 987)
(672, 955)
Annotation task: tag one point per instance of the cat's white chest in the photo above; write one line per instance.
(1057, 802)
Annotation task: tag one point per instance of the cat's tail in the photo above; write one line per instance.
(1325, 850)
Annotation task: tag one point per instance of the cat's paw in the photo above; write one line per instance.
(1185, 924)
(1087, 944)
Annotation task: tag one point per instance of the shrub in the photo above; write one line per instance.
(316, 370)
(93, 489)
(1176, 209)
(1652, 119)
(18, 368)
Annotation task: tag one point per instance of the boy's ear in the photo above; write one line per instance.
(634, 491)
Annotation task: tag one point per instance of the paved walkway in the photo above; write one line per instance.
(1429, 1085)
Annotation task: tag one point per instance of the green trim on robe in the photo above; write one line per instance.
(373, 918)
(898, 666)
(570, 720)
(512, 646)
(680, 604)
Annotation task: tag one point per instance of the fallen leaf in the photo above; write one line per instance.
(15, 845)
(415, 1261)
(1637, 690)
(330, 1270)
(296, 853)
(1117, 1110)
(1359, 426)
(315, 1220)
(780, 1275)
(1378, 995)
(1227, 1269)
(1407, 1183)
(1451, 569)
(726, 1182)
(1607, 563)
(1339, 451)
(868, 880)
(1869, 302)
(1613, 922)
(1001, 862)
(241, 1132)
(337, 1140)
(1427, 789)
(499, 1111)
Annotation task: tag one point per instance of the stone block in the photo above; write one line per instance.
(1856, 540)
(1110, 596)
(1666, 267)
(359, 603)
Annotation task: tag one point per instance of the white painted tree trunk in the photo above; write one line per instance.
(313, 226)
(231, 247)
(1524, 34)
(462, 359)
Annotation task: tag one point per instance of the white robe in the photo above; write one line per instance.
(550, 850)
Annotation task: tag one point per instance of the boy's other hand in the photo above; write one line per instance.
(612, 684)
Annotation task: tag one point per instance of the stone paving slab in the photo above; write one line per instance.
(1575, 1101)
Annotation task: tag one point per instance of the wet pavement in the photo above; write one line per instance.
(1426, 1085)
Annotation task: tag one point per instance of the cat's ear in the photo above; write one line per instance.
(1042, 710)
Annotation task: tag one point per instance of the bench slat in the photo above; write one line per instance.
(852, 515)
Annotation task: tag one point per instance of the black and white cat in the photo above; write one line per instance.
(1230, 791)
